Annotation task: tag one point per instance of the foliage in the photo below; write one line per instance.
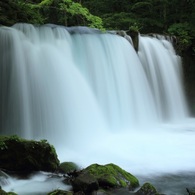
(63, 12)
(72, 9)
(176, 17)
(149, 16)
(135, 27)
(19, 11)
(144, 5)
(183, 32)
(46, 3)
(119, 21)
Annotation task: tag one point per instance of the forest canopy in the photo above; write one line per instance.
(61, 12)
(176, 17)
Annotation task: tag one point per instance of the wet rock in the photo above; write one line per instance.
(85, 182)
(147, 189)
(2, 192)
(68, 167)
(22, 155)
(108, 176)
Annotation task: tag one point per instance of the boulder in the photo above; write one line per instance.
(68, 167)
(147, 189)
(103, 176)
(2, 192)
(85, 182)
(22, 155)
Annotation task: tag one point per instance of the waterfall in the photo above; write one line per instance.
(164, 72)
(85, 89)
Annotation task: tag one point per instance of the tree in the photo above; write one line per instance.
(82, 15)
(63, 12)
(13, 11)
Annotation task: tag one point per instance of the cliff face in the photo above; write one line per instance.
(189, 79)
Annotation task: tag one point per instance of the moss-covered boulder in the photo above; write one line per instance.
(11, 193)
(22, 155)
(113, 176)
(68, 167)
(2, 192)
(85, 182)
(60, 192)
(103, 176)
(147, 189)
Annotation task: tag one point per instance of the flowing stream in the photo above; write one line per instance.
(97, 100)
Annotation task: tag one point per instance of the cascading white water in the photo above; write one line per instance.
(63, 83)
(93, 97)
(163, 69)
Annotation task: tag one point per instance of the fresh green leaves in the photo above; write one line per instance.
(183, 32)
(72, 9)
(63, 12)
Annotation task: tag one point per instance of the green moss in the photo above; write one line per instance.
(27, 155)
(3, 140)
(2, 192)
(112, 175)
(107, 181)
(123, 183)
(147, 188)
(67, 167)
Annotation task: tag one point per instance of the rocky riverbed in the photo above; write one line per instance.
(36, 166)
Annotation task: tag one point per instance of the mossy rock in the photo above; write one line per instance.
(113, 176)
(2, 192)
(68, 167)
(85, 182)
(147, 189)
(23, 155)
(108, 176)
(60, 192)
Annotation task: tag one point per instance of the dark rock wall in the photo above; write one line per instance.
(189, 79)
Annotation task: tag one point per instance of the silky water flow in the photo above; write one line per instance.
(95, 99)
